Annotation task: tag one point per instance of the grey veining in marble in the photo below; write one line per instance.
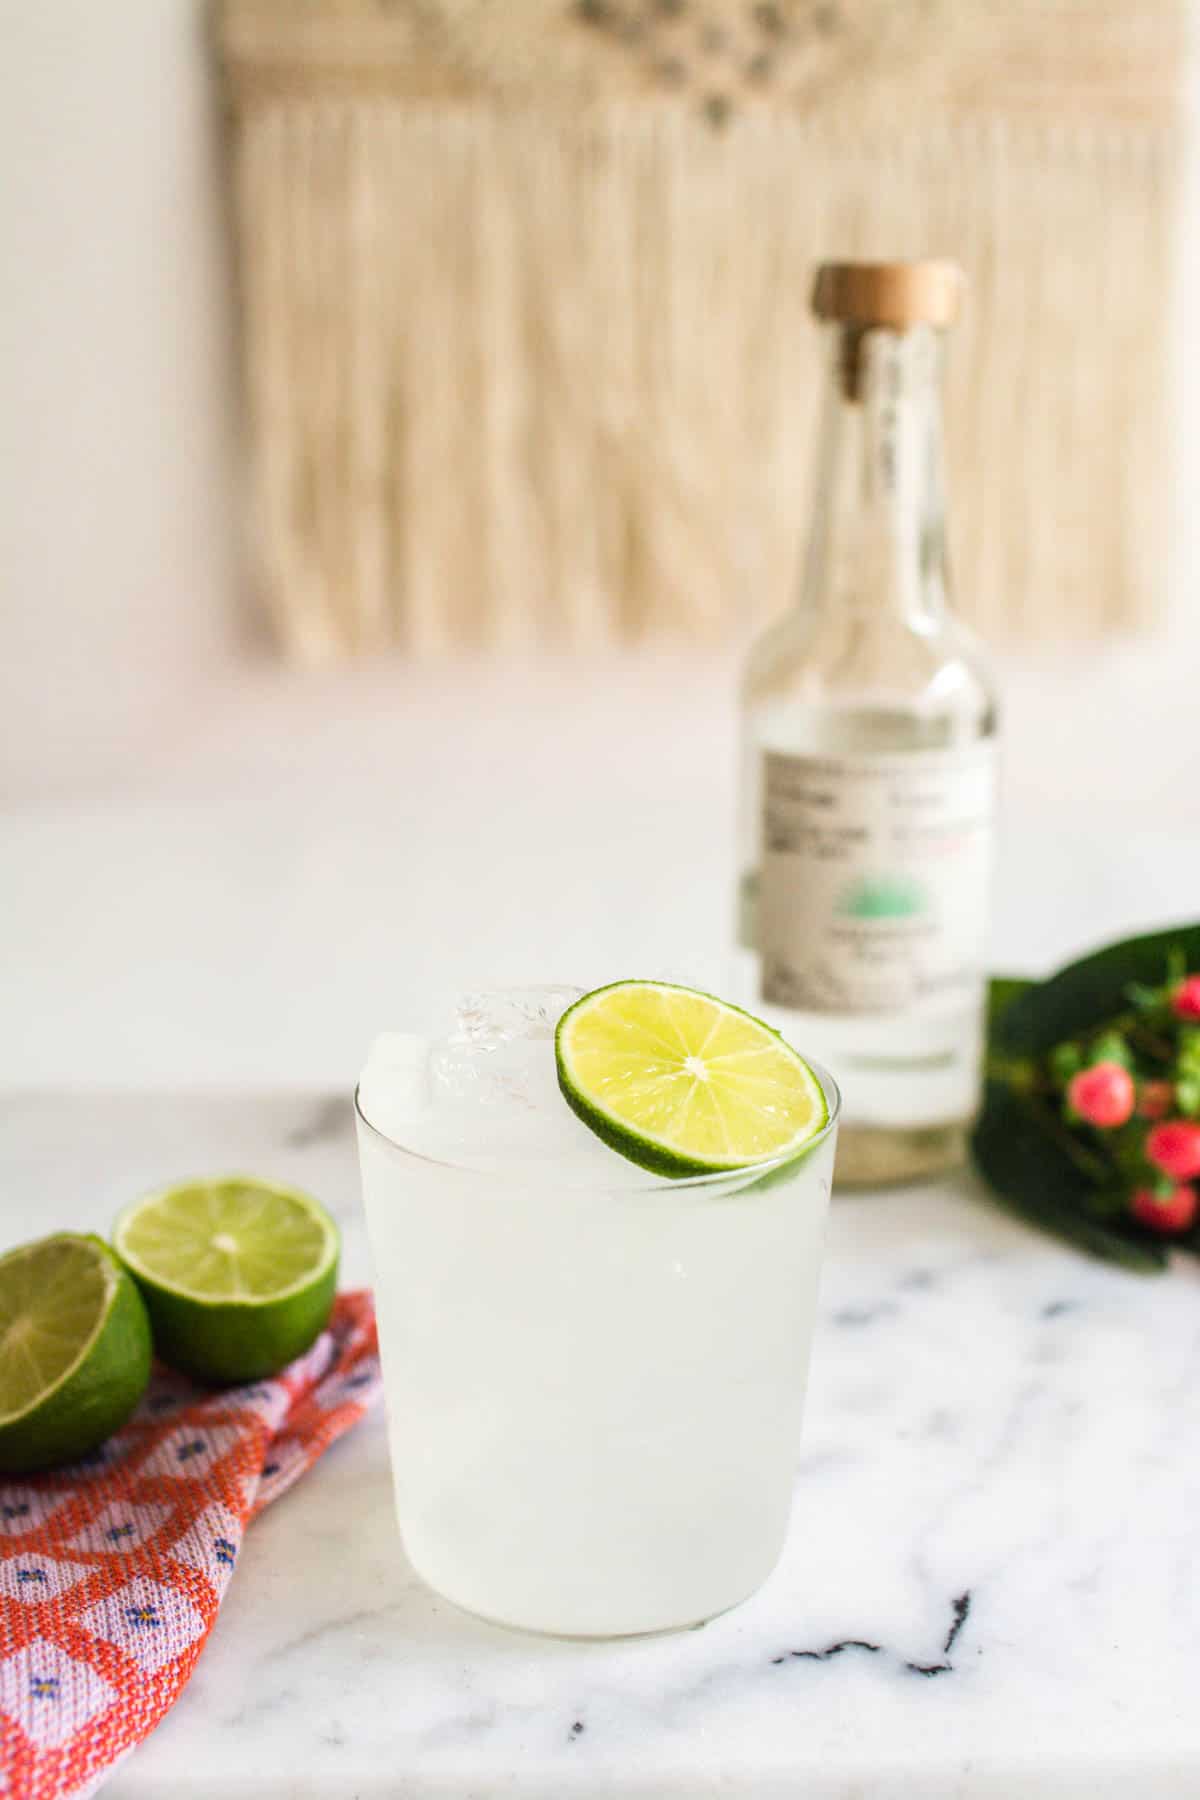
(990, 1590)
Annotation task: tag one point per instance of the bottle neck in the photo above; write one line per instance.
(878, 537)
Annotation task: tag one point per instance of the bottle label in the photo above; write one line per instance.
(875, 878)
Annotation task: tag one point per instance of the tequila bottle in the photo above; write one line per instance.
(869, 733)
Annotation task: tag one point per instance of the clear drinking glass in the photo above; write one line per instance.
(594, 1391)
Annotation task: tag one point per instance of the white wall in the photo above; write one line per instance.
(118, 595)
(116, 585)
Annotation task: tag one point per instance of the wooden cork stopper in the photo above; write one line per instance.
(895, 294)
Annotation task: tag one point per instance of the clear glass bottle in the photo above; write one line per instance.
(869, 729)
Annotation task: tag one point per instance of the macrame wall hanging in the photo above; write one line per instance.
(524, 292)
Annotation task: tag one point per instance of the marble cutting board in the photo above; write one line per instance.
(990, 1588)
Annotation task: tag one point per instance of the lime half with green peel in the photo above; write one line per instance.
(682, 1083)
(238, 1275)
(74, 1350)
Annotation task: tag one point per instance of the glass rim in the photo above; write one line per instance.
(652, 1184)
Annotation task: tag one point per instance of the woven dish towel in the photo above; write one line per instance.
(112, 1571)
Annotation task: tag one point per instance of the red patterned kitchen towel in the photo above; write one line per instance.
(112, 1571)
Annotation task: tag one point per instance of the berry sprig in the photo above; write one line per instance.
(1090, 1124)
(1131, 1090)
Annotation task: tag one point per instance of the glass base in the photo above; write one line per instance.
(605, 1623)
(592, 1637)
(884, 1155)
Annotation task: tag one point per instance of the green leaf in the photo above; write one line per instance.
(1041, 1172)
(1019, 1071)
(1066, 1060)
(1089, 993)
(1187, 1097)
(1110, 1046)
(1002, 989)
(1109, 1203)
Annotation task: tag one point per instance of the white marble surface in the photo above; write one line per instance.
(991, 1419)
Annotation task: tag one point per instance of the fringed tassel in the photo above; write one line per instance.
(511, 379)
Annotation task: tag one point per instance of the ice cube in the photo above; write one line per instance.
(394, 1087)
(517, 1075)
(486, 1098)
(401, 1053)
(507, 1014)
(500, 1053)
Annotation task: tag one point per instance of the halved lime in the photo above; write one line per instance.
(74, 1350)
(238, 1275)
(683, 1083)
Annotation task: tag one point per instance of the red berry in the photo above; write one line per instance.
(1155, 1099)
(1103, 1094)
(1174, 1147)
(1185, 1001)
(1171, 1212)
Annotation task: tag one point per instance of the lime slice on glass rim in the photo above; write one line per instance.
(238, 1275)
(683, 1083)
(74, 1350)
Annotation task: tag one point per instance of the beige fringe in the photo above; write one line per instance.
(515, 376)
